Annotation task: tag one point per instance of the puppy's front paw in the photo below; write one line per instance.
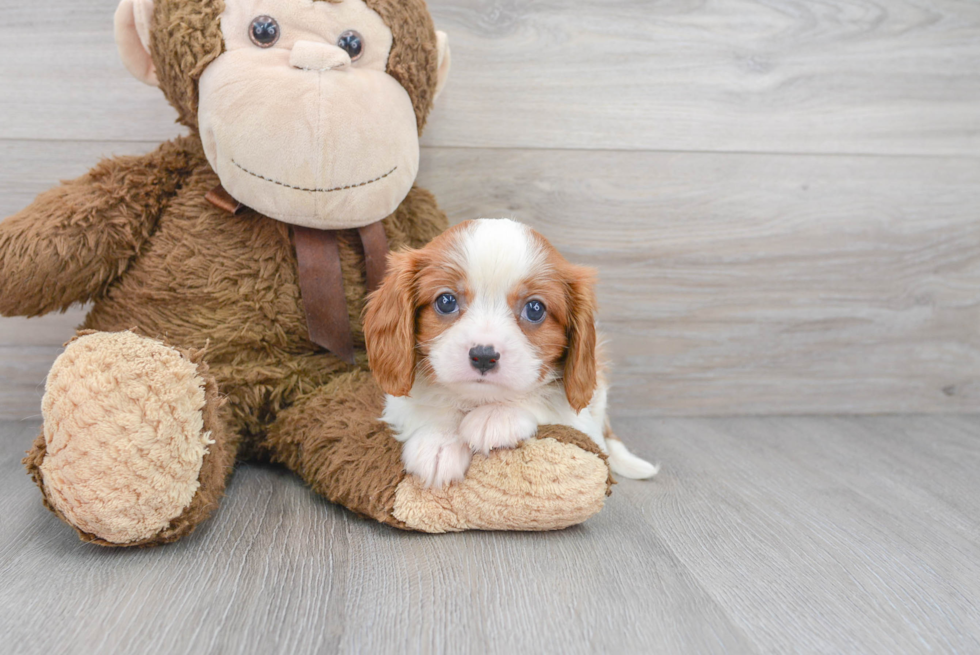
(437, 458)
(497, 426)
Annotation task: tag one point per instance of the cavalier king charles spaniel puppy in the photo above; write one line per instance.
(480, 337)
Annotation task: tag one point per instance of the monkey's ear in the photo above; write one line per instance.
(442, 45)
(133, 39)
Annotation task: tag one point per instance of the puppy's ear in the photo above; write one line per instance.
(580, 361)
(389, 326)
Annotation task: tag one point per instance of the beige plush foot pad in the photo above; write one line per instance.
(542, 485)
(124, 435)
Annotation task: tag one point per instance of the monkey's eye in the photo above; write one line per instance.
(534, 311)
(264, 31)
(351, 43)
(446, 304)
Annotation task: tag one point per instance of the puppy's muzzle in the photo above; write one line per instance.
(483, 358)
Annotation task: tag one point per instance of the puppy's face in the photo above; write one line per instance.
(490, 310)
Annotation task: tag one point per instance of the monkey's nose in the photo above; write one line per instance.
(313, 56)
(483, 358)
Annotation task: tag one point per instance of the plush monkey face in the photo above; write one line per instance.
(298, 113)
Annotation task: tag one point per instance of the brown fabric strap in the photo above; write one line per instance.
(321, 283)
(375, 253)
(321, 278)
(223, 200)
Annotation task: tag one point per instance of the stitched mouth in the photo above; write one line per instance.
(299, 188)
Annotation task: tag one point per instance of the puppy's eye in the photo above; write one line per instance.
(446, 304)
(352, 43)
(534, 311)
(264, 31)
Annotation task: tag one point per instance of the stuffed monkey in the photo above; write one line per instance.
(227, 272)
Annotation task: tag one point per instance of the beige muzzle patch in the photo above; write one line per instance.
(124, 435)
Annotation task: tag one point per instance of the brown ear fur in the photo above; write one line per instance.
(580, 362)
(389, 326)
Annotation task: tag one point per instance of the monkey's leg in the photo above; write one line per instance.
(133, 452)
(332, 438)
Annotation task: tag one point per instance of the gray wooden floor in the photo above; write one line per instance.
(777, 535)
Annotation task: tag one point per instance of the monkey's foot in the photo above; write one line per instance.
(549, 483)
(127, 455)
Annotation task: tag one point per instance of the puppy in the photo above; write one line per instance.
(479, 338)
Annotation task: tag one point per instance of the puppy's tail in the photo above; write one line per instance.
(624, 463)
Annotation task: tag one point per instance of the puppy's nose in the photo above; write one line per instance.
(483, 358)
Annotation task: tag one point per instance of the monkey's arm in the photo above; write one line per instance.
(74, 240)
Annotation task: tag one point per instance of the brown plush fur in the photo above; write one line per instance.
(75, 240)
(137, 238)
(333, 440)
(414, 59)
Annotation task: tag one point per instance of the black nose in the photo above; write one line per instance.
(483, 358)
